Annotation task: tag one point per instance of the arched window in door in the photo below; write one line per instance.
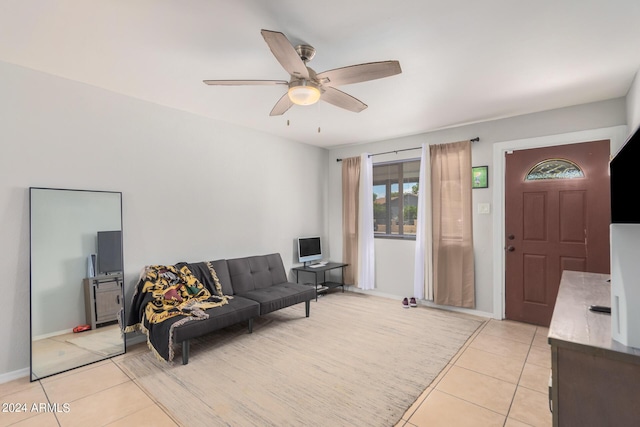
(554, 169)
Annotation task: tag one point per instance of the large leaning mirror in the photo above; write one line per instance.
(76, 278)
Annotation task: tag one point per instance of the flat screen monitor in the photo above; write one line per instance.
(309, 249)
(109, 252)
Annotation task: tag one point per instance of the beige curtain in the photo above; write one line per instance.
(350, 213)
(453, 267)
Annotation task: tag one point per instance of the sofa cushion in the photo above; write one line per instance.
(237, 310)
(222, 270)
(256, 272)
(280, 296)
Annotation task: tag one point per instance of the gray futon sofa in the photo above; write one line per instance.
(258, 284)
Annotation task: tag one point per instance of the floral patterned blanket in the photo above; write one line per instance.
(167, 297)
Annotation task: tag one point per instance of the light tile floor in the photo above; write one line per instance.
(498, 378)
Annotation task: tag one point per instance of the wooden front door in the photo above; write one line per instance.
(555, 220)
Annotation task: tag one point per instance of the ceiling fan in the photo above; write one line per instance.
(306, 86)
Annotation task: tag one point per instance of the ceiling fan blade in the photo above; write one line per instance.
(359, 73)
(281, 106)
(342, 100)
(285, 53)
(245, 82)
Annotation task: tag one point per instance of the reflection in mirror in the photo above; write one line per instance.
(76, 278)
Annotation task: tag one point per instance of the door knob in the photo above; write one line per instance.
(511, 248)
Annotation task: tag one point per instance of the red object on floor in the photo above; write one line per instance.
(81, 328)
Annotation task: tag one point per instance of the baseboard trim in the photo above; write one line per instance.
(425, 303)
(14, 375)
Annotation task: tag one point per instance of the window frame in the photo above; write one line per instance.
(401, 202)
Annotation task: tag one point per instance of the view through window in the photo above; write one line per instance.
(395, 198)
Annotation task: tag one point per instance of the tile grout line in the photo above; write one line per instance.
(84, 396)
(152, 398)
(520, 377)
(472, 403)
(55, 414)
(484, 373)
(467, 344)
(447, 367)
(530, 346)
(456, 356)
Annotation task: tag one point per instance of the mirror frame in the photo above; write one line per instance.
(121, 315)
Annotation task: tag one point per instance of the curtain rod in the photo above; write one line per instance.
(476, 139)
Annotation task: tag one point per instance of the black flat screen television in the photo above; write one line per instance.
(623, 175)
(109, 252)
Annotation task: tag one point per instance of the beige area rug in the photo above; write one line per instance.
(359, 360)
(103, 341)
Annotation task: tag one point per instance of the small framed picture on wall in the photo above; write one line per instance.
(480, 177)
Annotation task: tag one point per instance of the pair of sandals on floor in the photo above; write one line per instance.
(409, 302)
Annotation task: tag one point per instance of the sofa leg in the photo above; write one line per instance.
(251, 325)
(307, 306)
(185, 352)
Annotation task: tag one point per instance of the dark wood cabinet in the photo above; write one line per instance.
(595, 380)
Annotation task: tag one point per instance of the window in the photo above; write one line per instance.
(395, 198)
(554, 169)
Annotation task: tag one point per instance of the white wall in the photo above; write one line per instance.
(633, 105)
(394, 258)
(193, 189)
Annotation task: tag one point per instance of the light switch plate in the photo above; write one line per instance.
(484, 208)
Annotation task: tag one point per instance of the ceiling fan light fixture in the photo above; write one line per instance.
(304, 92)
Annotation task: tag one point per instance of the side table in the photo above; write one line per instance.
(322, 269)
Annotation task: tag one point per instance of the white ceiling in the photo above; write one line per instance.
(463, 61)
